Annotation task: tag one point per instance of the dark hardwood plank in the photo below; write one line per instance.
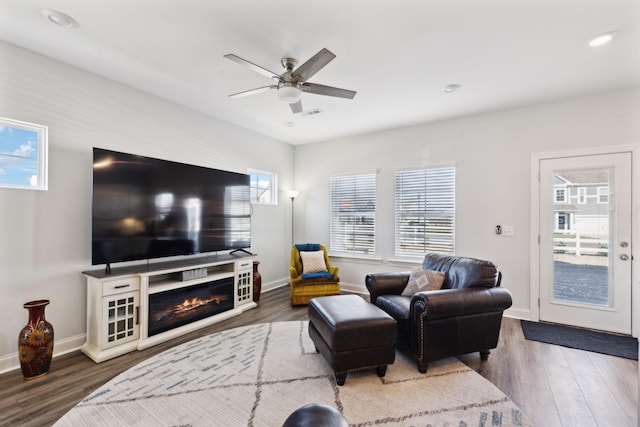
(530, 373)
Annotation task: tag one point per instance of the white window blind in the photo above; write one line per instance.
(425, 211)
(353, 214)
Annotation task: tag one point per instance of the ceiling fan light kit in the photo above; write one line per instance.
(289, 92)
(293, 82)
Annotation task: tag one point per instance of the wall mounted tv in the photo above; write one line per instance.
(146, 208)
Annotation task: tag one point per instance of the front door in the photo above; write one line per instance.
(585, 241)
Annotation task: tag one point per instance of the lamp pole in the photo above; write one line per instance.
(292, 195)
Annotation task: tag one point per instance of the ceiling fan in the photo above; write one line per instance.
(293, 82)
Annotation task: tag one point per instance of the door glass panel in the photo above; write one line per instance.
(581, 236)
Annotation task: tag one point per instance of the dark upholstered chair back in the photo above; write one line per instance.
(463, 272)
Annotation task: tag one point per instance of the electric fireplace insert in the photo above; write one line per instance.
(172, 309)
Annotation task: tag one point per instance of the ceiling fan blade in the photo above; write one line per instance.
(328, 90)
(254, 67)
(312, 66)
(252, 91)
(296, 107)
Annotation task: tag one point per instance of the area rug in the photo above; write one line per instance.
(582, 339)
(257, 375)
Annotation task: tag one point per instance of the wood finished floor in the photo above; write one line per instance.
(554, 386)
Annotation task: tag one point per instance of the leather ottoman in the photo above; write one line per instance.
(352, 334)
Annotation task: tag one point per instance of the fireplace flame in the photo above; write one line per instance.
(194, 303)
(188, 307)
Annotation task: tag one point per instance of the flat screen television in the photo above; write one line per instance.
(145, 208)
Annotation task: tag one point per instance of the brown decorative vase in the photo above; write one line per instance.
(35, 343)
(257, 282)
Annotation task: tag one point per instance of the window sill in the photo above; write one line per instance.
(356, 258)
(403, 262)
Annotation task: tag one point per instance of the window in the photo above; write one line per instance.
(263, 187)
(353, 214)
(23, 155)
(425, 211)
(560, 195)
(603, 195)
(582, 195)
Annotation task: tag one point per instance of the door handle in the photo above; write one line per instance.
(624, 257)
(624, 244)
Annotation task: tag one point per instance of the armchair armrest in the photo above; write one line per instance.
(333, 269)
(459, 302)
(386, 284)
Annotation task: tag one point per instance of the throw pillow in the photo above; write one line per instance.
(424, 280)
(312, 262)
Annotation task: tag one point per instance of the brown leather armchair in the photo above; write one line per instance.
(307, 286)
(463, 317)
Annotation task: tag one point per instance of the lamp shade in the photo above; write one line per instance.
(293, 194)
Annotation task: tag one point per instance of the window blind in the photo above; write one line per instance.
(353, 214)
(425, 211)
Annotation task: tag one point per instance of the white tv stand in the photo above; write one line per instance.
(118, 303)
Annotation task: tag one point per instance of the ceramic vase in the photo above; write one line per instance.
(35, 342)
(257, 282)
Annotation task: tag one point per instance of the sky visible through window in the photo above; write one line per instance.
(262, 187)
(18, 156)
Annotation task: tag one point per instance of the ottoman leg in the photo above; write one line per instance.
(381, 370)
(341, 377)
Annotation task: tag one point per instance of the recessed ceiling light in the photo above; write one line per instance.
(59, 18)
(602, 39)
(451, 88)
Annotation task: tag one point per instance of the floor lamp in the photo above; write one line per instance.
(292, 195)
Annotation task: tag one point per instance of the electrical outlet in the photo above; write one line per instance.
(508, 230)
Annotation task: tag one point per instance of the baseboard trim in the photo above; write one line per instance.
(518, 313)
(274, 284)
(353, 288)
(10, 362)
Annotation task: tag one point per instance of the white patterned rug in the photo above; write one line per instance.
(257, 375)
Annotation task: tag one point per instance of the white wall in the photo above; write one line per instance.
(45, 237)
(492, 154)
